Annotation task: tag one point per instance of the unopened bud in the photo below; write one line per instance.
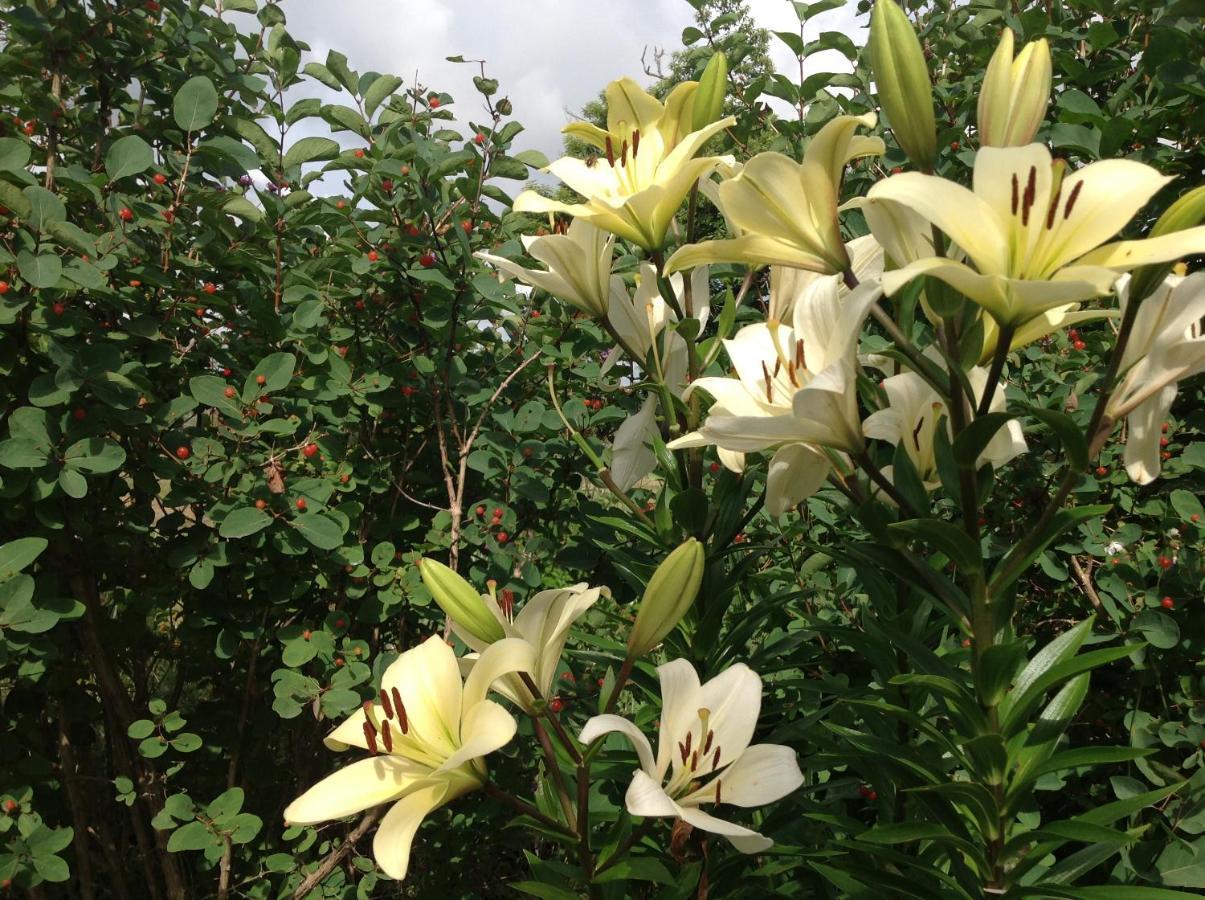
(1187, 212)
(902, 80)
(460, 601)
(669, 594)
(1012, 101)
(708, 103)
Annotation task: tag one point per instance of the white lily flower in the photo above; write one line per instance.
(794, 385)
(579, 266)
(1166, 346)
(427, 735)
(788, 284)
(703, 753)
(1034, 233)
(542, 623)
(913, 413)
(783, 212)
(648, 167)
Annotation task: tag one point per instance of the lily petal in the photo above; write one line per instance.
(646, 797)
(498, 659)
(395, 834)
(743, 839)
(607, 724)
(762, 774)
(487, 727)
(428, 680)
(362, 785)
(796, 472)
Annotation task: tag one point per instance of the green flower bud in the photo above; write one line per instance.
(460, 601)
(669, 594)
(902, 81)
(1187, 212)
(709, 96)
(1012, 101)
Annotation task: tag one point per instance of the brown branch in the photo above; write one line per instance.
(337, 855)
(75, 796)
(1085, 580)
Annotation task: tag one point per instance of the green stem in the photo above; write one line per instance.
(554, 769)
(1004, 341)
(525, 808)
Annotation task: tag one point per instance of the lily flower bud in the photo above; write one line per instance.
(460, 601)
(708, 103)
(669, 594)
(902, 81)
(1012, 101)
(1187, 212)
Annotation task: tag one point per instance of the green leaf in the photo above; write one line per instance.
(450, 163)
(142, 728)
(320, 530)
(186, 742)
(193, 836)
(195, 104)
(41, 271)
(74, 484)
(972, 440)
(277, 370)
(95, 455)
(23, 453)
(16, 555)
(946, 537)
(378, 91)
(1069, 434)
(129, 155)
(1021, 701)
(1159, 629)
(210, 390)
(244, 209)
(309, 149)
(637, 869)
(1022, 556)
(45, 208)
(244, 521)
(995, 671)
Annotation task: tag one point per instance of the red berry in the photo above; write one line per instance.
(300, 504)
(405, 171)
(79, 414)
(715, 467)
(427, 260)
(387, 186)
(1079, 345)
(359, 154)
(1165, 562)
(344, 479)
(966, 642)
(433, 102)
(227, 372)
(872, 796)
(1163, 442)
(412, 230)
(601, 682)
(306, 635)
(169, 216)
(127, 214)
(480, 510)
(183, 453)
(467, 226)
(1101, 471)
(261, 379)
(479, 138)
(373, 256)
(954, 145)
(556, 704)
(1165, 455)
(310, 451)
(261, 504)
(1163, 428)
(497, 512)
(159, 178)
(340, 623)
(4, 287)
(230, 393)
(503, 537)
(895, 170)
(10, 805)
(209, 287)
(58, 309)
(338, 663)
(1195, 517)
(1168, 603)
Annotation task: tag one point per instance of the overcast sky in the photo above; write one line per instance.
(549, 55)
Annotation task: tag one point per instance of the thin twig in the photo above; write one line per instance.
(337, 855)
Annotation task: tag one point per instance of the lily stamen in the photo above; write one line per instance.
(718, 786)
(385, 704)
(370, 737)
(402, 721)
(387, 737)
(1071, 199)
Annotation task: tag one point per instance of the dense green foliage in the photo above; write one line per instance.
(239, 403)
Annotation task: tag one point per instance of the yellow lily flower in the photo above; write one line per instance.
(579, 266)
(427, 735)
(784, 212)
(1033, 233)
(647, 168)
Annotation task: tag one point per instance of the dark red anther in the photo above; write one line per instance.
(1016, 193)
(1031, 192)
(689, 736)
(1054, 207)
(623, 154)
(610, 152)
(683, 752)
(400, 708)
(707, 743)
(694, 761)
(1071, 200)
(715, 760)
(717, 793)
(370, 737)
(385, 704)
(635, 143)
(387, 737)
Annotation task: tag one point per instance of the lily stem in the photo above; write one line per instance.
(634, 838)
(526, 808)
(877, 476)
(621, 680)
(554, 769)
(1004, 341)
(562, 735)
(585, 857)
